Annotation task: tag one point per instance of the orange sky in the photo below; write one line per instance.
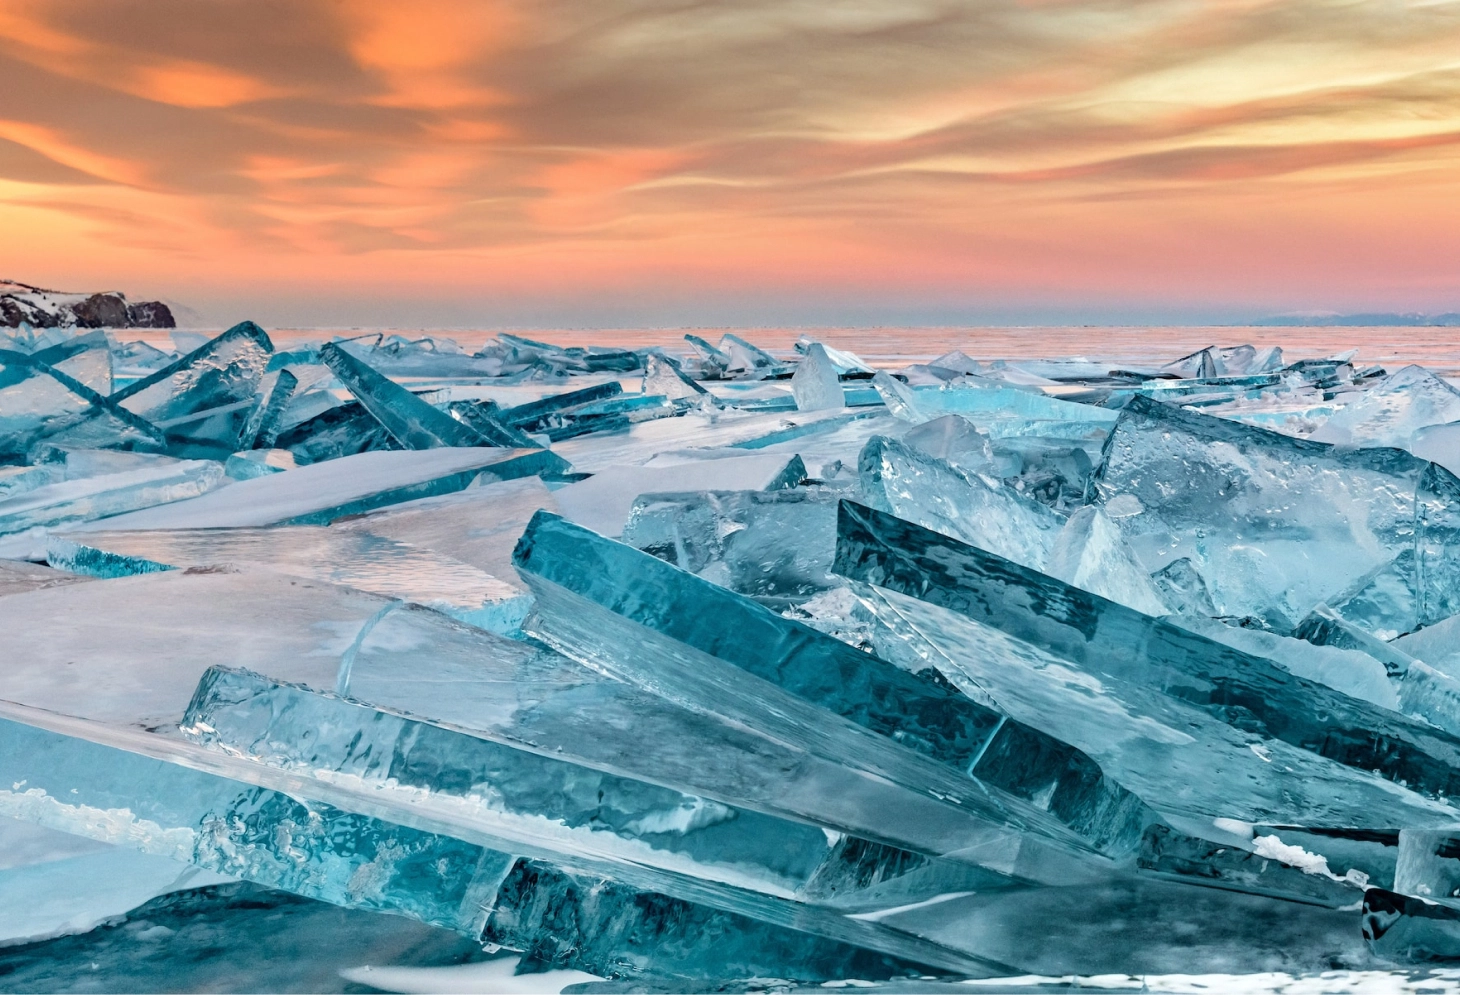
(734, 161)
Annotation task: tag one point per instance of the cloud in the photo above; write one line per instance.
(644, 137)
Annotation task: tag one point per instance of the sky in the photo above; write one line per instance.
(610, 163)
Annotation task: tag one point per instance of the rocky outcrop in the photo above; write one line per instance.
(20, 303)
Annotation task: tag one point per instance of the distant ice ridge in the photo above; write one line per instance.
(673, 669)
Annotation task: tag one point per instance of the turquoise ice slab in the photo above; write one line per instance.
(410, 421)
(1131, 689)
(321, 492)
(340, 430)
(561, 806)
(531, 414)
(481, 417)
(1038, 779)
(356, 559)
(775, 546)
(39, 402)
(131, 651)
(89, 498)
(1391, 411)
(603, 501)
(370, 850)
(222, 371)
(909, 483)
(1275, 525)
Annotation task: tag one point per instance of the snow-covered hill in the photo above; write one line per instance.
(20, 303)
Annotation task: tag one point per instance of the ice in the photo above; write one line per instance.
(815, 383)
(1090, 553)
(664, 378)
(356, 559)
(39, 402)
(603, 501)
(972, 669)
(909, 709)
(322, 492)
(1392, 411)
(1275, 525)
(936, 494)
(1049, 653)
(222, 371)
(109, 494)
(18, 575)
(557, 805)
(776, 546)
(410, 421)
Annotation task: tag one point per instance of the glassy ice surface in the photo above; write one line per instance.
(1274, 525)
(322, 492)
(354, 558)
(683, 667)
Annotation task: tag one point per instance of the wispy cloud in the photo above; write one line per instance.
(922, 143)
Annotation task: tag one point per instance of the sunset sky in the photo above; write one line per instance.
(617, 162)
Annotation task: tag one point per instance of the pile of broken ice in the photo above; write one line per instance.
(690, 669)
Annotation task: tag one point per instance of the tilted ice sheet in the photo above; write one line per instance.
(478, 525)
(1192, 726)
(321, 492)
(352, 558)
(1275, 525)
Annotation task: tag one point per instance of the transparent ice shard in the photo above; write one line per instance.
(321, 492)
(212, 433)
(353, 558)
(564, 919)
(1432, 695)
(262, 430)
(90, 498)
(19, 479)
(1128, 688)
(775, 546)
(748, 360)
(482, 419)
(564, 807)
(85, 358)
(411, 421)
(534, 414)
(572, 570)
(845, 362)
(1350, 671)
(1408, 929)
(383, 848)
(225, 370)
(603, 501)
(1090, 553)
(478, 525)
(1275, 525)
(1169, 854)
(341, 430)
(898, 397)
(258, 463)
(116, 669)
(932, 492)
(39, 402)
(1391, 411)
(1437, 645)
(664, 378)
(1325, 627)
(713, 362)
(815, 382)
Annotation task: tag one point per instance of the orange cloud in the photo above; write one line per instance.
(916, 149)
